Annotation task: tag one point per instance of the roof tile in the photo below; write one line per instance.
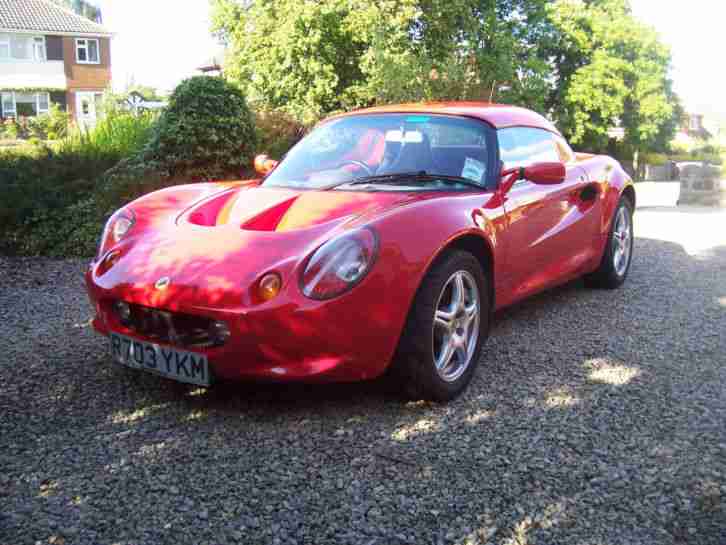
(44, 16)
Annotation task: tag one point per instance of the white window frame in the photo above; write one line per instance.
(5, 40)
(40, 40)
(8, 113)
(82, 43)
(14, 111)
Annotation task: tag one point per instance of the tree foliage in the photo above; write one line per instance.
(610, 69)
(310, 58)
(588, 64)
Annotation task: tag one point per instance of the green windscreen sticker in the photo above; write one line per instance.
(417, 119)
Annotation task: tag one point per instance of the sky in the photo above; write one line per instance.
(159, 42)
(695, 30)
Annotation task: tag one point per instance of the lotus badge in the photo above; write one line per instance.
(162, 283)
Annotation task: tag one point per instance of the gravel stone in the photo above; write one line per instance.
(595, 417)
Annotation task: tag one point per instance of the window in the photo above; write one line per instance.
(564, 150)
(24, 104)
(19, 47)
(695, 123)
(8, 103)
(4, 46)
(390, 145)
(524, 146)
(87, 51)
(39, 48)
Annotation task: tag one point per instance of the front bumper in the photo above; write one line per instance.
(290, 338)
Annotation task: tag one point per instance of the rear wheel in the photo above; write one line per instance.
(618, 254)
(448, 323)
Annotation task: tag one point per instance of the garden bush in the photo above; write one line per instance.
(51, 126)
(56, 197)
(44, 181)
(277, 132)
(206, 131)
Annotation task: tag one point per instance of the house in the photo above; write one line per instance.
(136, 102)
(214, 65)
(50, 55)
(692, 130)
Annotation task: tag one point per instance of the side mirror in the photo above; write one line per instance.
(264, 165)
(545, 173)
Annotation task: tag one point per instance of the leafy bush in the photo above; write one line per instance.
(52, 125)
(56, 197)
(277, 132)
(654, 159)
(11, 129)
(118, 132)
(206, 131)
(43, 185)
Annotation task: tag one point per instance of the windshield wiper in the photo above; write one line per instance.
(402, 178)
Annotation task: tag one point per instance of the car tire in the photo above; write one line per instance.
(450, 308)
(618, 255)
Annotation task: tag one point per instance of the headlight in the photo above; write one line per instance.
(339, 264)
(122, 226)
(117, 227)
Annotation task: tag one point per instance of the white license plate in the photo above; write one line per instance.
(180, 365)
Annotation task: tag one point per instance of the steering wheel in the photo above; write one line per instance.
(360, 164)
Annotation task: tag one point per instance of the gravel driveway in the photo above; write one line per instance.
(595, 418)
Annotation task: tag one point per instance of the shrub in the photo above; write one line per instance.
(56, 197)
(654, 159)
(43, 185)
(277, 132)
(206, 131)
(118, 132)
(11, 129)
(52, 125)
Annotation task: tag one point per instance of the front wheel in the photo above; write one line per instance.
(448, 323)
(618, 254)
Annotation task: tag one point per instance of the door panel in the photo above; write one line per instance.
(87, 108)
(550, 227)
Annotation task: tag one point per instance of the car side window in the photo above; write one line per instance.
(524, 146)
(564, 150)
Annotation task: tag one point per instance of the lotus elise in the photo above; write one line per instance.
(381, 243)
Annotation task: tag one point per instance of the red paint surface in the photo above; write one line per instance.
(215, 241)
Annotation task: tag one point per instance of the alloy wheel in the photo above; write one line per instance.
(456, 325)
(622, 241)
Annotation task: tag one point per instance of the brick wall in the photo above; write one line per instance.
(85, 77)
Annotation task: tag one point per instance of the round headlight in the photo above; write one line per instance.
(122, 226)
(339, 264)
(117, 227)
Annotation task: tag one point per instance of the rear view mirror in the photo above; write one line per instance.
(544, 173)
(264, 165)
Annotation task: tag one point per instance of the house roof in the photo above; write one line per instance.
(45, 16)
(210, 65)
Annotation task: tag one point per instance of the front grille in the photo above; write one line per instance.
(169, 327)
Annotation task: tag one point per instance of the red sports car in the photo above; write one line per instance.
(383, 241)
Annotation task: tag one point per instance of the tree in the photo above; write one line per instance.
(609, 69)
(83, 8)
(589, 64)
(311, 58)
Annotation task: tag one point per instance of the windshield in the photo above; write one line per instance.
(384, 145)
